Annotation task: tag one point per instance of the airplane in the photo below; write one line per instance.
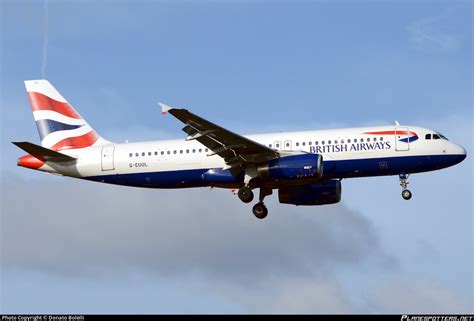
(306, 167)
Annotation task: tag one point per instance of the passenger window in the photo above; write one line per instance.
(194, 150)
(428, 136)
(287, 144)
(277, 145)
(329, 142)
(303, 143)
(361, 140)
(342, 141)
(149, 153)
(355, 140)
(181, 151)
(187, 151)
(310, 143)
(130, 155)
(316, 143)
(200, 150)
(162, 152)
(297, 144)
(368, 139)
(335, 142)
(348, 140)
(270, 145)
(381, 139)
(168, 152)
(156, 153)
(322, 143)
(375, 139)
(143, 154)
(206, 150)
(174, 152)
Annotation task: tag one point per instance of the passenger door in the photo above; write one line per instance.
(108, 158)
(402, 141)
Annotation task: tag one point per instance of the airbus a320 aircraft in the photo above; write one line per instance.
(305, 167)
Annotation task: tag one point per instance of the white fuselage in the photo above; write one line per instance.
(334, 145)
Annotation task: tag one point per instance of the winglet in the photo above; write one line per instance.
(164, 108)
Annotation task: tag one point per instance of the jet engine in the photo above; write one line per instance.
(293, 167)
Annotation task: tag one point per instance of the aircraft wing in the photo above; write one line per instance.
(233, 148)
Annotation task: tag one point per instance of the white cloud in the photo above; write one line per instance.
(299, 295)
(418, 297)
(78, 227)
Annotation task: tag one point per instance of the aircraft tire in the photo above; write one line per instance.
(245, 194)
(406, 194)
(260, 210)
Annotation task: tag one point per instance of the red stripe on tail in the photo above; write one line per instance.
(83, 141)
(42, 102)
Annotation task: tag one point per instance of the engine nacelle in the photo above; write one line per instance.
(218, 176)
(321, 193)
(292, 167)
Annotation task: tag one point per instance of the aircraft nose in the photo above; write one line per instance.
(463, 152)
(460, 152)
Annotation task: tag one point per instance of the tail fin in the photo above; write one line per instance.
(59, 125)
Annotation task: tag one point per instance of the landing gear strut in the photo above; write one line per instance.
(406, 194)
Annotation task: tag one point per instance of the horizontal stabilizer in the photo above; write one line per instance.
(43, 153)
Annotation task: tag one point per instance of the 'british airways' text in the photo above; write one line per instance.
(356, 147)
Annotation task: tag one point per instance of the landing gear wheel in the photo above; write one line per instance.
(406, 194)
(260, 210)
(245, 194)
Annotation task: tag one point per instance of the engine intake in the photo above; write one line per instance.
(292, 167)
(321, 193)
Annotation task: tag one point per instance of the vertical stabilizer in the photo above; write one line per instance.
(59, 125)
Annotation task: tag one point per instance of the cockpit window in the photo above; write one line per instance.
(436, 136)
(428, 136)
(443, 137)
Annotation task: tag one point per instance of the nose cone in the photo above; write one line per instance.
(460, 153)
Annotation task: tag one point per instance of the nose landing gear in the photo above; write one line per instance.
(406, 194)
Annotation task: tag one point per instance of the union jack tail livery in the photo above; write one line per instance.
(59, 125)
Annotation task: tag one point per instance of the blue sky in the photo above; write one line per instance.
(251, 67)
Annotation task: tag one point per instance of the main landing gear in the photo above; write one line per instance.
(245, 194)
(259, 210)
(406, 194)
